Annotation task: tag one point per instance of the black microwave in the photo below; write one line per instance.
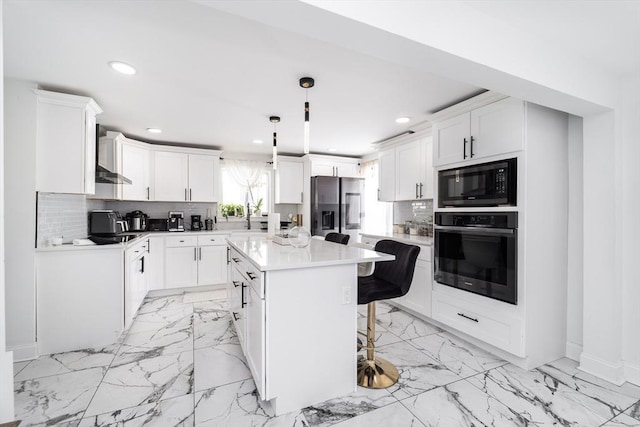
(482, 185)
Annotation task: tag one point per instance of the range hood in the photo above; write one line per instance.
(104, 175)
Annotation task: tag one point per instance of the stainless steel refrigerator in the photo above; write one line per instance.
(336, 205)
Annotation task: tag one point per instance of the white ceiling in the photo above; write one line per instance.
(208, 77)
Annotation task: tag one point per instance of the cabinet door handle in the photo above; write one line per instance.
(242, 295)
(185, 195)
(467, 317)
(301, 197)
(421, 190)
(142, 265)
(199, 254)
(235, 316)
(251, 275)
(195, 254)
(228, 255)
(471, 147)
(148, 193)
(464, 148)
(416, 190)
(190, 194)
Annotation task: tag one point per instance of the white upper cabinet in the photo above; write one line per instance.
(387, 175)
(334, 166)
(289, 180)
(65, 143)
(136, 165)
(493, 129)
(409, 167)
(170, 176)
(180, 176)
(202, 177)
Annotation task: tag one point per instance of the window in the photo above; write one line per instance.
(378, 216)
(246, 182)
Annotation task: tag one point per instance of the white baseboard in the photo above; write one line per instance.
(632, 372)
(573, 351)
(612, 372)
(7, 413)
(25, 352)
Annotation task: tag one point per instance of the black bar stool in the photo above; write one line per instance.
(343, 239)
(390, 279)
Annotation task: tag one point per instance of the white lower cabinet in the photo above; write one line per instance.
(154, 263)
(135, 281)
(195, 260)
(418, 299)
(255, 337)
(79, 298)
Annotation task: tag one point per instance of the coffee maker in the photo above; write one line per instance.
(196, 223)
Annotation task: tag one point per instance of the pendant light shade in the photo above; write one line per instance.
(274, 120)
(306, 83)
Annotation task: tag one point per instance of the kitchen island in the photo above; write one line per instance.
(295, 312)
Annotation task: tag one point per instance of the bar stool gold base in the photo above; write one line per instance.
(377, 373)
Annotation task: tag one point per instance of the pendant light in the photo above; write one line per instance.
(274, 120)
(306, 83)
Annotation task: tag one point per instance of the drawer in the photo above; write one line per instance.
(502, 330)
(179, 241)
(212, 240)
(249, 272)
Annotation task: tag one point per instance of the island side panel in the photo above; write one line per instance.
(310, 335)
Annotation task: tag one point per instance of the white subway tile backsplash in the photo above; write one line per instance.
(63, 215)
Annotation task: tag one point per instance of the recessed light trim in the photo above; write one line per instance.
(401, 120)
(122, 68)
(257, 141)
(154, 130)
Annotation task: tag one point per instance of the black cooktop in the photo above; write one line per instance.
(110, 240)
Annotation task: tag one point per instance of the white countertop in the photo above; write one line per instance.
(407, 238)
(267, 255)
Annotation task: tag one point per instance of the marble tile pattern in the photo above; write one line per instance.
(180, 364)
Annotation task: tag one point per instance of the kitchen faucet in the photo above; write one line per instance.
(248, 217)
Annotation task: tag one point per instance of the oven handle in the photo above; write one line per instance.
(483, 230)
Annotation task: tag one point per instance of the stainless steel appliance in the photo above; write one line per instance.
(106, 222)
(196, 222)
(157, 224)
(176, 221)
(477, 252)
(105, 162)
(487, 184)
(336, 205)
(137, 220)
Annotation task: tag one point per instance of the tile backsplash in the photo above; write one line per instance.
(417, 211)
(63, 215)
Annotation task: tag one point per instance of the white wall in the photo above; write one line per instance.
(575, 244)
(20, 216)
(6, 357)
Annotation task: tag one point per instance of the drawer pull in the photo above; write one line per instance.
(467, 317)
(235, 283)
(236, 260)
(251, 275)
(181, 241)
(235, 316)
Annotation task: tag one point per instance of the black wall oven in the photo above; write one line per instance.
(487, 184)
(477, 252)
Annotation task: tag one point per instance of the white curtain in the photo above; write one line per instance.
(378, 216)
(245, 173)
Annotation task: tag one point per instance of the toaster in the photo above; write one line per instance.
(106, 223)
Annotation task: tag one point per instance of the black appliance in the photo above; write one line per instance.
(477, 252)
(137, 220)
(106, 222)
(176, 221)
(196, 223)
(110, 240)
(336, 205)
(487, 184)
(157, 224)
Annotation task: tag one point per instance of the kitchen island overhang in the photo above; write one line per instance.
(295, 311)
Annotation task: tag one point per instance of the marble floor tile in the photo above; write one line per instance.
(542, 399)
(458, 356)
(382, 336)
(208, 306)
(19, 366)
(381, 308)
(418, 372)
(219, 365)
(566, 372)
(56, 399)
(213, 328)
(405, 325)
(461, 404)
(175, 317)
(393, 415)
(237, 405)
(622, 420)
(163, 341)
(61, 363)
(163, 303)
(333, 411)
(634, 410)
(177, 411)
(147, 380)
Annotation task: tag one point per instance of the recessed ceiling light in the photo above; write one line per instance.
(403, 119)
(123, 68)
(154, 130)
(257, 141)
(332, 150)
